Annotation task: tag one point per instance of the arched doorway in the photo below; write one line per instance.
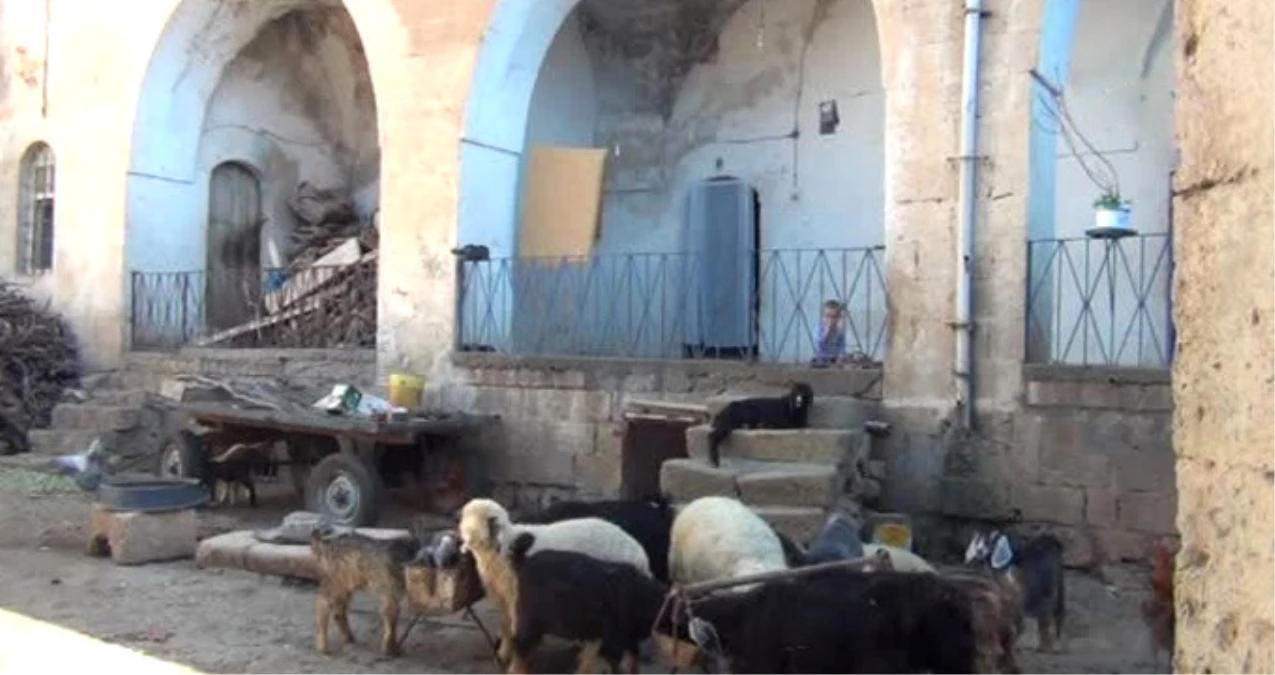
(787, 97)
(233, 284)
(237, 110)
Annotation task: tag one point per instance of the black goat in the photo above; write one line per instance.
(647, 520)
(610, 607)
(840, 622)
(1033, 569)
(790, 411)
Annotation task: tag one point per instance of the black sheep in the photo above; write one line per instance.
(647, 520)
(790, 411)
(841, 622)
(610, 607)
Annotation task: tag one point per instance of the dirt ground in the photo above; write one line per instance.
(235, 622)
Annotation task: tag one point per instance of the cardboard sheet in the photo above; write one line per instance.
(562, 201)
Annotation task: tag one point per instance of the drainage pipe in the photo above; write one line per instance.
(964, 324)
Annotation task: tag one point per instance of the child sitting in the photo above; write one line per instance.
(830, 346)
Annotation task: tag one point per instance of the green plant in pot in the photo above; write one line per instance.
(1111, 212)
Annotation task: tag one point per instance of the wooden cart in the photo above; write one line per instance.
(340, 464)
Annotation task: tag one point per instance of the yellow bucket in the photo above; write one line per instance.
(405, 390)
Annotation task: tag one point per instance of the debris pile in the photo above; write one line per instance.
(326, 296)
(38, 360)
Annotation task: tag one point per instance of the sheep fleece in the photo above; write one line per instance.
(719, 537)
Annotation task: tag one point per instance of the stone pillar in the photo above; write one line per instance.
(1224, 308)
(421, 93)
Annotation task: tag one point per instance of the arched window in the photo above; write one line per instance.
(35, 210)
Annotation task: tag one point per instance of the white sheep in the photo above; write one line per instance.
(487, 532)
(720, 538)
(903, 559)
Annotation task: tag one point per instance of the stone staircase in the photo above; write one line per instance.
(791, 478)
(114, 409)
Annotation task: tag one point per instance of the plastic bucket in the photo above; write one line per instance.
(405, 390)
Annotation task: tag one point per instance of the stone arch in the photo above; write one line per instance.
(519, 37)
(1116, 74)
(200, 40)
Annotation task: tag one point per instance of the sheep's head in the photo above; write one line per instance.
(481, 521)
(992, 549)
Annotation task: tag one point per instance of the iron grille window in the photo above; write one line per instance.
(35, 216)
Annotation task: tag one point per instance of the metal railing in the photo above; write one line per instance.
(660, 305)
(1093, 301)
(315, 307)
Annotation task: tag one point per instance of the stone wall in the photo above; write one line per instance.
(1224, 308)
(1088, 455)
(560, 430)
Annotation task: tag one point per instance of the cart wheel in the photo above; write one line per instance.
(182, 457)
(345, 490)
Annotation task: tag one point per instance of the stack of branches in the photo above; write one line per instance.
(325, 219)
(39, 359)
(341, 313)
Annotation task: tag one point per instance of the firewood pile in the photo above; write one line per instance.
(327, 296)
(38, 360)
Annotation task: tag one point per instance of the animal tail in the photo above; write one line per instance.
(519, 547)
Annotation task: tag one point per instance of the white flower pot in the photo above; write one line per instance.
(1111, 219)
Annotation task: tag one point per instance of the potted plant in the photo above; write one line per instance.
(1111, 215)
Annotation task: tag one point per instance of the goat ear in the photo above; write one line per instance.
(1002, 553)
(975, 549)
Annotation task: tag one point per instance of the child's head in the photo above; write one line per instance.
(831, 312)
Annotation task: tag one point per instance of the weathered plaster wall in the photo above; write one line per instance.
(747, 107)
(1114, 64)
(22, 87)
(296, 104)
(1224, 375)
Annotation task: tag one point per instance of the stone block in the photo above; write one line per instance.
(685, 480)
(822, 446)
(535, 436)
(787, 484)
(1146, 469)
(573, 405)
(599, 473)
(1049, 393)
(1100, 507)
(1068, 457)
(1147, 397)
(133, 538)
(1051, 503)
(60, 442)
(1152, 512)
(545, 468)
(93, 416)
(801, 524)
(973, 499)
(1118, 545)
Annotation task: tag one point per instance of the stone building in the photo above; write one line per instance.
(1223, 428)
(844, 149)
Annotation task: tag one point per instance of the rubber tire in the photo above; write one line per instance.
(371, 493)
(190, 450)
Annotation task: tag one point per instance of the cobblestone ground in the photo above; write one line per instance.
(224, 621)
